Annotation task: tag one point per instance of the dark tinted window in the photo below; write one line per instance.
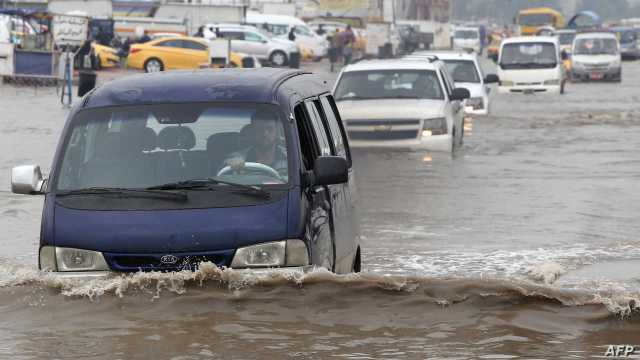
(170, 43)
(233, 35)
(337, 135)
(319, 129)
(308, 145)
(193, 45)
(462, 71)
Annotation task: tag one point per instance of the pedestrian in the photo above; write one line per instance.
(200, 32)
(321, 30)
(332, 52)
(348, 39)
(292, 35)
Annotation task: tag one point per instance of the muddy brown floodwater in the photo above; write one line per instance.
(525, 243)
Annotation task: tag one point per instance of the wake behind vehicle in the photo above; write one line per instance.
(160, 172)
(402, 104)
(596, 56)
(531, 64)
(467, 73)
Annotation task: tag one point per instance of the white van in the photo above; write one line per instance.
(531, 64)
(467, 38)
(280, 25)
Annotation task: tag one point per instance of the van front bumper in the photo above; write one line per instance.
(529, 89)
(582, 73)
(89, 275)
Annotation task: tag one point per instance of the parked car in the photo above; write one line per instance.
(596, 56)
(106, 56)
(401, 103)
(629, 39)
(531, 64)
(467, 38)
(249, 40)
(180, 52)
(170, 53)
(466, 72)
(160, 172)
(280, 26)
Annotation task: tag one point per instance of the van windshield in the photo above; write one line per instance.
(595, 46)
(529, 55)
(389, 84)
(466, 34)
(143, 146)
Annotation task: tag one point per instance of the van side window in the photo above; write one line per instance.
(319, 129)
(337, 135)
(308, 144)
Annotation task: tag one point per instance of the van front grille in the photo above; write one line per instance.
(166, 261)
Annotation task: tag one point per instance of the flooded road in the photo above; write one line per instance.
(523, 244)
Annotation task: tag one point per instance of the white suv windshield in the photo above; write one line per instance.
(462, 71)
(389, 84)
(149, 145)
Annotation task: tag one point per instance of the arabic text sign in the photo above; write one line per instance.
(69, 30)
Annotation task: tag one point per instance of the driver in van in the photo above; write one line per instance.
(264, 147)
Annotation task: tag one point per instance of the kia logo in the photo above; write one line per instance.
(169, 259)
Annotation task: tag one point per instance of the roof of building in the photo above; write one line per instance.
(261, 85)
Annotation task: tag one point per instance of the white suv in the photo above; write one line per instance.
(401, 103)
(249, 40)
(465, 70)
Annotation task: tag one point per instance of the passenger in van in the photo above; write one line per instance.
(264, 147)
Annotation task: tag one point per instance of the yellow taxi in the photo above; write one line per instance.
(168, 53)
(106, 57)
(181, 52)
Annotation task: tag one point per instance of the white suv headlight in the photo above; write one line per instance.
(272, 254)
(68, 259)
(436, 126)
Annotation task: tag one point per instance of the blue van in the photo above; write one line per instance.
(244, 168)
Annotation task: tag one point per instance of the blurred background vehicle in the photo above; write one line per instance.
(596, 56)
(170, 53)
(467, 38)
(249, 40)
(629, 41)
(531, 20)
(292, 28)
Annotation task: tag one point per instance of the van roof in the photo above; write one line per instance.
(596, 35)
(184, 86)
(538, 39)
(447, 55)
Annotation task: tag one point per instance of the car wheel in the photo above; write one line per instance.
(278, 58)
(153, 65)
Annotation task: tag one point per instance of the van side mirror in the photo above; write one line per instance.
(491, 79)
(330, 170)
(460, 94)
(27, 179)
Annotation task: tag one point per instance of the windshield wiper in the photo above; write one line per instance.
(147, 193)
(206, 184)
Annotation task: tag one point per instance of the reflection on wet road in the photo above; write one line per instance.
(523, 243)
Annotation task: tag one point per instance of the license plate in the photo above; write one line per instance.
(596, 76)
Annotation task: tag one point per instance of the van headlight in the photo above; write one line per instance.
(552, 82)
(68, 259)
(272, 254)
(435, 126)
